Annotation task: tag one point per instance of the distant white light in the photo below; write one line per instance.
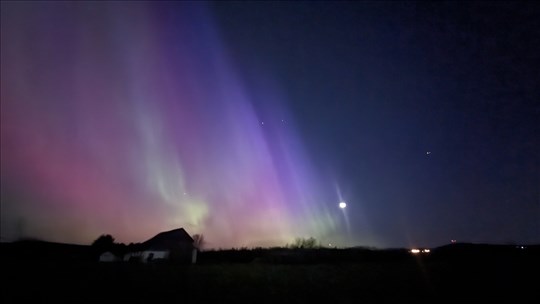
(262, 122)
(428, 153)
(415, 250)
(342, 205)
(426, 251)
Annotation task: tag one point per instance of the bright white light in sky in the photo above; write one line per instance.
(342, 205)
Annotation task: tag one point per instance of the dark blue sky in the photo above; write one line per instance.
(376, 85)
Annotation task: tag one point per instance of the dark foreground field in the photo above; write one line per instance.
(377, 277)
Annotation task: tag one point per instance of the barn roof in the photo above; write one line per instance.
(167, 240)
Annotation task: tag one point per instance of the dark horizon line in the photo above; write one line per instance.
(36, 240)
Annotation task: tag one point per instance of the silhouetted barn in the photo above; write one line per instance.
(175, 245)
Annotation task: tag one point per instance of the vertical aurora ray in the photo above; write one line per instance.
(129, 119)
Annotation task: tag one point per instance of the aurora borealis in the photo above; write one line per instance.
(250, 121)
(130, 119)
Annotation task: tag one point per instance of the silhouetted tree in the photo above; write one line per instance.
(307, 243)
(104, 242)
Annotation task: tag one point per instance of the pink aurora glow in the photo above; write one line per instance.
(130, 120)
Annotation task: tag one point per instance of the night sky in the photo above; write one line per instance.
(249, 122)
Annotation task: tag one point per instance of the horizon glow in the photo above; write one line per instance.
(131, 119)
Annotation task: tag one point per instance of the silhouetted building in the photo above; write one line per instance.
(175, 245)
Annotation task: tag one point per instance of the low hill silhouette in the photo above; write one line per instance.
(38, 250)
(482, 251)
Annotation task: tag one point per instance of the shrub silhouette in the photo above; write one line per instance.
(104, 242)
(305, 243)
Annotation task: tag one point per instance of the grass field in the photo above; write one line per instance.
(492, 279)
